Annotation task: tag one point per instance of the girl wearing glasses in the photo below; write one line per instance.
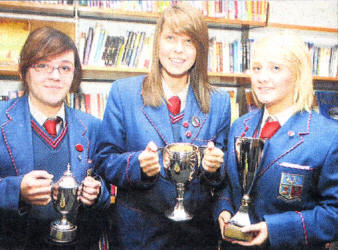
(40, 137)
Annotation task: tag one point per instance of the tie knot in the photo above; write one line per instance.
(50, 125)
(269, 129)
(174, 105)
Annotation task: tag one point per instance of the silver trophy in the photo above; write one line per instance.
(249, 151)
(181, 162)
(64, 196)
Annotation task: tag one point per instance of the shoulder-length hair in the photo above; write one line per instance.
(45, 43)
(296, 56)
(181, 19)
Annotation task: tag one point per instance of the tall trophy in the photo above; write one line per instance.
(181, 162)
(249, 151)
(64, 196)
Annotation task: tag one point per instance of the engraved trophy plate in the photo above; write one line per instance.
(181, 163)
(248, 151)
(64, 196)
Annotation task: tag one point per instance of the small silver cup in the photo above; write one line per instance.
(64, 197)
(181, 162)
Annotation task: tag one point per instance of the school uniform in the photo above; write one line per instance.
(128, 126)
(25, 146)
(296, 187)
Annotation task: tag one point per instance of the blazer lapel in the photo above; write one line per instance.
(17, 134)
(159, 120)
(251, 124)
(78, 145)
(289, 137)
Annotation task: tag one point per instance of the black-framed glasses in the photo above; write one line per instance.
(64, 69)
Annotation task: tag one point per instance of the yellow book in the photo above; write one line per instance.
(13, 36)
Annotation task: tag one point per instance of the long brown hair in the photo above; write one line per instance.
(181, 19)
(44, 43)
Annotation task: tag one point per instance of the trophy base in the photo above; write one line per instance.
(178, 214)
(234, 232)
(62, 234)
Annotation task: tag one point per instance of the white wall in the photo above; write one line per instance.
(305, 12)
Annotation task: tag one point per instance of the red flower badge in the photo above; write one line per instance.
(79, 147)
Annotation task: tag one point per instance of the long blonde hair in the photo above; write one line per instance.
(296, 55)
(182, 19)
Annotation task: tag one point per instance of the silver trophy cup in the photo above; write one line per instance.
(181, 162)
(64, 196)
(249, 151)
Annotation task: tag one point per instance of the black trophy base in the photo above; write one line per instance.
(234, 232)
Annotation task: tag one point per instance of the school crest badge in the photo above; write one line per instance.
(291, 186)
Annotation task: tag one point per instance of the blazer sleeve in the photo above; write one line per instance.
(10, 192)
(113, 160)
(224, 195)
(103, 200)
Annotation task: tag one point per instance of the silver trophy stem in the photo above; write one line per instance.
(178, 213)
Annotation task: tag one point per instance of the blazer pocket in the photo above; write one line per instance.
(294, 166)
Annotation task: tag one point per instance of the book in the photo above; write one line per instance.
(100, 48)
(138, 49)
(126, 48)
(82, 44)
(106, 50)
(88, 45)
(13, 36)
(95, 42)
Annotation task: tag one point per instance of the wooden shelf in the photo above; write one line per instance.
(94, 12)
(301, 27)
(109, 73)
(38, 8)
(9, 70)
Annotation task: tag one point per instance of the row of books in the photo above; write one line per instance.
(229, 57)
(251, 10)
(91, 103)
(99, 48)
(324, 59)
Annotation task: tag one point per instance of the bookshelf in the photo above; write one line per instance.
(74, 13)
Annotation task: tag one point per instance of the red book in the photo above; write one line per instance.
(87, 103)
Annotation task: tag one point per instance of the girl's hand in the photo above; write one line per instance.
(149, 161)
(213, 158)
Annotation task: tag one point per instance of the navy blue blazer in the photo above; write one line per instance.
(296, 188)
(128, 126)
(17, 159)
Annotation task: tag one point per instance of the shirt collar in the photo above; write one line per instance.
(182, 95)
(281, 117)
(40, 117)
